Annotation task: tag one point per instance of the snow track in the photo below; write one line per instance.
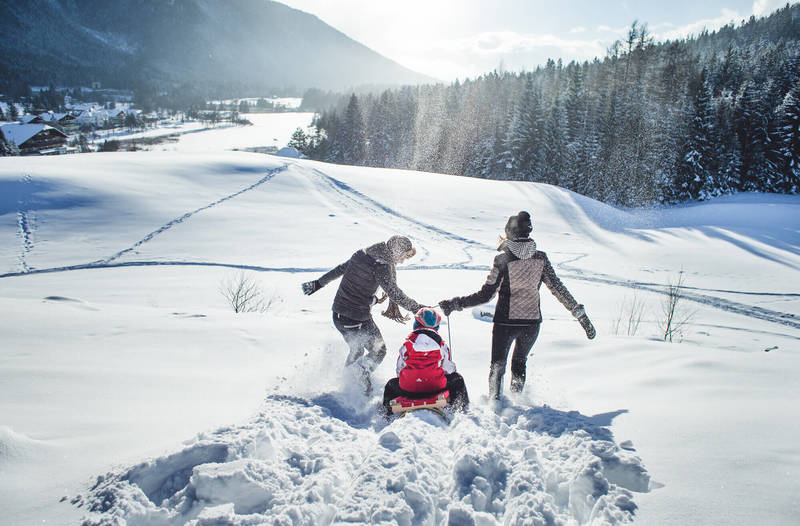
(304, 461)
(184, 217)
(25, 223)
(695, 294)
(423, 235)
(433, 242)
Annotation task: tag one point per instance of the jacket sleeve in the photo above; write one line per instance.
(401, 359)
(333, 274)
(489, 288)
(389, 286)
(448, 366)
(556, 286)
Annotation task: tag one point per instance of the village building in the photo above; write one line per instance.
(35, 139)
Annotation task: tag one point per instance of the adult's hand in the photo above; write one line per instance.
(310, 287)
(393, 313)
(376, 299)
(449, 306)
(587, 326)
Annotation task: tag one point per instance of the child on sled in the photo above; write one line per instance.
(425, 367)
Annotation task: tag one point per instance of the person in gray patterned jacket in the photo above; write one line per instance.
(516, 276)
(362, 274)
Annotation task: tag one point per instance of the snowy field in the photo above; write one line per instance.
(268, 129)
(131, 393)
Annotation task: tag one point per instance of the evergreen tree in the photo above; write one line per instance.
(354, 136)
(751, 126)
(300, 142)
(695, 175)
(787, 142)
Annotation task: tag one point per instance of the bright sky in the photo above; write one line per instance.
(449, 39)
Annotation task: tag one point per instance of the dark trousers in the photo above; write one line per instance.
(523, 337)
(363, 337)
(459, 400)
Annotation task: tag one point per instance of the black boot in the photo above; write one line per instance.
(496, 381)
(517, 383)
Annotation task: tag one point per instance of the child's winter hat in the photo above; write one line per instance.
(427, 318)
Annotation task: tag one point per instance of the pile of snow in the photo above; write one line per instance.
(314, 461)
(289, 152)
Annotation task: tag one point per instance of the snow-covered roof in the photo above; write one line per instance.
(52, 117)
(25, 119)
(19, 133)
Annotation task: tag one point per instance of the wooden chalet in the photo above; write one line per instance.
(35, 139)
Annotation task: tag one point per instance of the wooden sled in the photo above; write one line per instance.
(403, 405)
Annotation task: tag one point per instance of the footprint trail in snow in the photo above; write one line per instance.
(307, 461)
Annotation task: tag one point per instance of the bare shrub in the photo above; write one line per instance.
(676, 316)
(630, 315)
(244, 294)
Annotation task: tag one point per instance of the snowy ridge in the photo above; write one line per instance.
(316, 461)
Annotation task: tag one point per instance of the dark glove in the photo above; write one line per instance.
(310, 287)
(587, 326)
(580, 314)
(449, 306)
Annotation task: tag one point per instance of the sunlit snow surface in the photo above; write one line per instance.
(118, 349)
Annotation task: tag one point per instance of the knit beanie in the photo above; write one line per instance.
(519, 226)
(427, 318)
(398, 246)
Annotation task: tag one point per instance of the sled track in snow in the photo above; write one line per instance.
(348, 194)
(691, 293)
(184, 217)
(315, 461)
(694, 294)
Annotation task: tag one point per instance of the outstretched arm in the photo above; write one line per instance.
(485, 294)
(556, 286)
(563, 295)
(310, 287)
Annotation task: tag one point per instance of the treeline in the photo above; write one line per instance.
(651, 122)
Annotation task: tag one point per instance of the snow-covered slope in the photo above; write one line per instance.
(118, 349)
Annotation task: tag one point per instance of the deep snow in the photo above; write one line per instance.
(118, 349)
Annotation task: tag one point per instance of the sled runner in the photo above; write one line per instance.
(401, 404)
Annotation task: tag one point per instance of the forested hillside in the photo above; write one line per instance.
(651, 122)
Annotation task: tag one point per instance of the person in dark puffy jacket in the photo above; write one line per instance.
(362, 274)
(425, 365)
(516, 276)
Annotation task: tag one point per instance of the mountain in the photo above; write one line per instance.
(252, 43)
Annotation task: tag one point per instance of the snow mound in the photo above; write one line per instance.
(16, 447)
(291, 153)
(299, 462)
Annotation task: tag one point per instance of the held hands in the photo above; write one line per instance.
(580, 314)
(449, 306)
(310, 287)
